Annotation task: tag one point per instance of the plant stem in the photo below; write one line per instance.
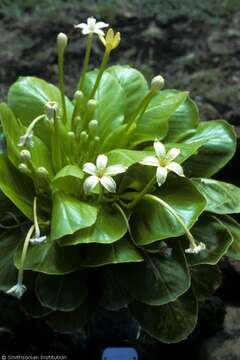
(61, 82)
(142, 193)
(173, 212)
(24, 254)
(86, 61)
(100, 73)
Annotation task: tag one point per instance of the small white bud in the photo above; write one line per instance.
(83, 137)
(71, 135)
(42, 171)
(91, 105)
(78, 95)
(25, 155)
(23, 168)
(62, 41)
(157, 83)
(92, 126)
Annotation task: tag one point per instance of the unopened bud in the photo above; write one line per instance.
(25, 155)
(42, 171)
(93, 125)
(71, 135)
(157, 83)
(78, 95)
(83, 137)
(62, 41)
(23, 168)
(91, 105)
(96, 140)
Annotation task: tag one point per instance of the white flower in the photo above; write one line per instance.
(102, 174)
(26, 139)
(17, 290)
(92, 27)
(195, 249)
(163, 162)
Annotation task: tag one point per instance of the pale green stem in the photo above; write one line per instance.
(31, 126)
(61, 82)
(101, 194)
(142, 193)
(100, 73)
(37, 230)
(24, 254)
(173, 212)
(86, 61)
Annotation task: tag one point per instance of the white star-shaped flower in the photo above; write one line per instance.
(92, 27)
(163, 162)
(17, 290)
(196, 248)
(102, 174)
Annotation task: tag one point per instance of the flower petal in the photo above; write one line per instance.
(175, 167)
(150, 161)
(159, 148)
(90, 183)
(115, 169)
(172, 154)
(91, 22)
(196, 249)
(161, 175)
(101, 162)
(108, 183)
(99, 32)
(17, 290)
(101, 24)
(89, 168)
(81, 26)
(86, 31)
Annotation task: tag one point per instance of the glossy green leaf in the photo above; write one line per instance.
(154, 122)
(32, 306)
(126, 157)
(234, 227)
(151, 221)
(70, 214)
(168, 323)
(113, 294)
(110, 109)
(49, 258)
(16, 186)
(185, 119)
(108, 228)
(215, 235)
(163, 278)
(222, 198)
(62, 292)
(205, 280)
(28, 96)
(123, 251)
(67, 178)
(134, 86)
(8, 273)
(218, 150)
(71, 321)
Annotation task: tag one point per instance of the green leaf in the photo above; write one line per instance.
(154, 122)
(110, 109)
(234, 228)
(163, 278)
(108, 228)
(70, 214)
(72, 321)
(205, 280)
(49, 258)
(212, 232)
(134, 87)
(8, 273)
(126, 157)
(62, 292)
(183, 120)
(151, 221)
(68, 178)
(219, 148)
(113, 295)
(16, 186)
(168, 323)
(123, 251)
(222, 198)
(31, 305)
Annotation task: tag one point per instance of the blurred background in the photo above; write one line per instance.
(195, 45)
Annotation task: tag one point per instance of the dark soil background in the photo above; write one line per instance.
(195, 45)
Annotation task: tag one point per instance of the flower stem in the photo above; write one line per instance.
(142, 193)
(86, 61)
(100, 73)
(24, 254)
(61, 82)
(173, 212)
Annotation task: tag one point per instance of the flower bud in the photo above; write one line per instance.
(78, 95)
(62, 41)
(42, 171)
(93, 125)
(71, 135)
(83, 137)
(23, 168)
(91, 105)
(25, 155)
(157, 83)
